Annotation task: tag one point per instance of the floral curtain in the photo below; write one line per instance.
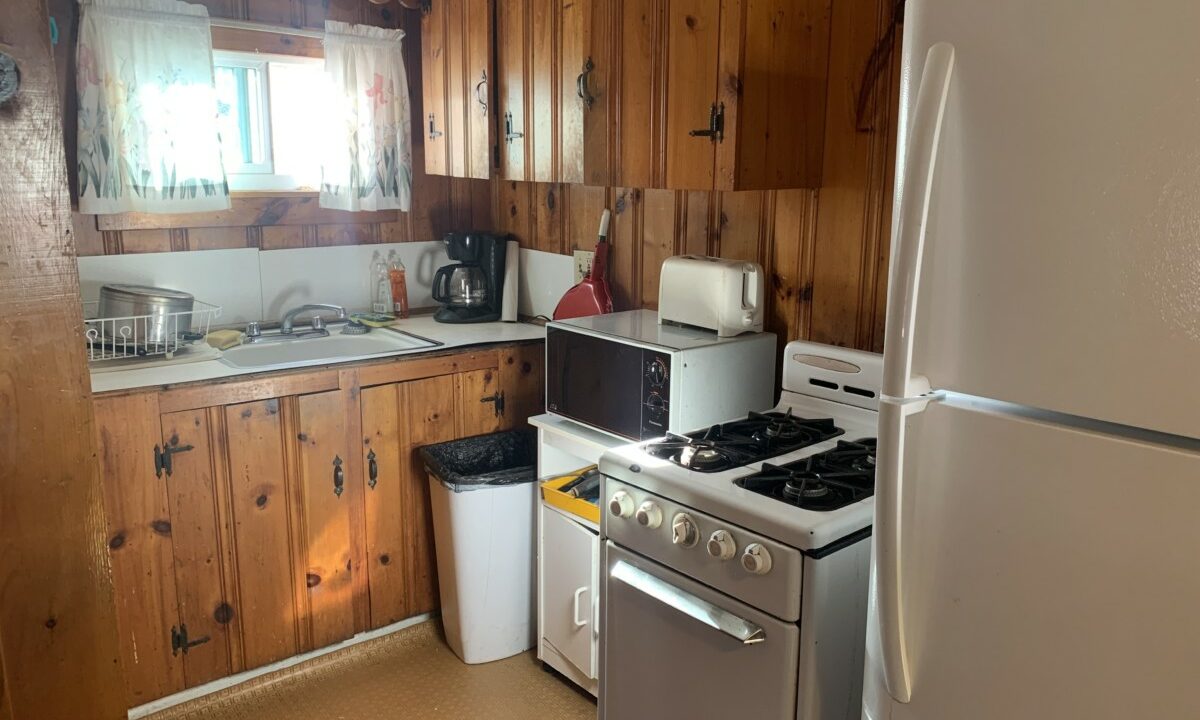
(369, 166)
(147, 109)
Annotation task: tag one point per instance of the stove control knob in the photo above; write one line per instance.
(621, 505)
(649, 516)
(756, 559)
(721, 545)
(684, 531)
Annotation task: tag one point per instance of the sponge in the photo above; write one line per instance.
(224, 339)
(375, 320)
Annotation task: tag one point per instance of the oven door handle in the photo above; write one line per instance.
(735, 627)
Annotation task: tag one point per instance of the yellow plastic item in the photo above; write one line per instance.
(375, 320)
(568, 503)
(223, 339)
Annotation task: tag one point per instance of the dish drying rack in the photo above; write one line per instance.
(139, 336)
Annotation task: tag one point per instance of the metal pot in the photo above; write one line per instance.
(145, 315)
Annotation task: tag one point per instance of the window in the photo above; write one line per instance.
(271, 114)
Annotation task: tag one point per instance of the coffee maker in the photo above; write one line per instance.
(470, 289)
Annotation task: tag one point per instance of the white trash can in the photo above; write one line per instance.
(484, 498)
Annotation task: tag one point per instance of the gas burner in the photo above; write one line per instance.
(822, 482)
(759, 437)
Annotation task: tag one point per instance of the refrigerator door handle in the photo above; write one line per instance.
(920, 162)
(905, 393)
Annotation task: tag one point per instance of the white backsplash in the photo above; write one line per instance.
(228, 278)
(545, 278)
(251, 284)
(342, 275)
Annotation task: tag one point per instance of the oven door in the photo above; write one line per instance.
(673, 648)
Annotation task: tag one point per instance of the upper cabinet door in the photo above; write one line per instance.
(772, 86)
(480, 118)
(456, 83)
(637, 140)
(433, 89)
(693, 38)
(585, 64)
(513, 67)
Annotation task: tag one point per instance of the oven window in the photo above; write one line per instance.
(595, 381)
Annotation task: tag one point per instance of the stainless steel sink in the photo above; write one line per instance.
(320, 350)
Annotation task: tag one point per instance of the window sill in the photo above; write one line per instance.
(272, 193)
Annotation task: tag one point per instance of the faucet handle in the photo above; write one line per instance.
(254, 329)
(318, 323)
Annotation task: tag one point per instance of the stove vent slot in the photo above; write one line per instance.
(823, 383)
(858, 391)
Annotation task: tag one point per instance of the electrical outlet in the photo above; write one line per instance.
(583, 264)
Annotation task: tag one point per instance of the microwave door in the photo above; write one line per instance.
(596, 382)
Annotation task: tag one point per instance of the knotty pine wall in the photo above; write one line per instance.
(825, 251)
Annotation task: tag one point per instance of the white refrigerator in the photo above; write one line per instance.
(1037, 530)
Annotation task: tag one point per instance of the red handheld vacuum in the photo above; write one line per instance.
(591, 296)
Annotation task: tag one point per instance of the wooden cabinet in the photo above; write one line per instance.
(681, 94)
(257, 519)
(456, 77)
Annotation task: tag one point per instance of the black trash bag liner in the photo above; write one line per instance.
(474, 463)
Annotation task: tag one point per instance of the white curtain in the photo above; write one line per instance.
(147, 109)
(368, 165)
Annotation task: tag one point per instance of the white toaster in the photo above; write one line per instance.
(712, 293)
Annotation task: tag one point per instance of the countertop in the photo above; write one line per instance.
(450, 336)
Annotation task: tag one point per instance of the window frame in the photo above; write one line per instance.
(268, 180)
(259, 64)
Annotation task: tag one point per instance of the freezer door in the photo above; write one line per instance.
(1044, 570)
(1061, 266)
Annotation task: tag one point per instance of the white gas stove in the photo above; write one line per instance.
(736, 557)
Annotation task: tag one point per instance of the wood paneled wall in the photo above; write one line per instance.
(825, 251)
(273, 221)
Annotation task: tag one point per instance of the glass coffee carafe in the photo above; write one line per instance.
(461, 285)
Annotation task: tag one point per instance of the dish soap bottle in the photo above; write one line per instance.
(398, 285)
(381, 286)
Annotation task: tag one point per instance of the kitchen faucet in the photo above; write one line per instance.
(287, 328)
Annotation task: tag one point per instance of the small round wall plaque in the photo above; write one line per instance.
(10, 77)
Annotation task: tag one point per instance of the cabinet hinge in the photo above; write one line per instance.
(162, 457)
(498, 399)
(716, 124)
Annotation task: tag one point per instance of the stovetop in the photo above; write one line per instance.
(718, 493)
(823, 482)
(758, 437)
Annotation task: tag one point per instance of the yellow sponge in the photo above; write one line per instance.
(224, 339)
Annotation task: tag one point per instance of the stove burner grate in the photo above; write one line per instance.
(822, 482)
(759, 437)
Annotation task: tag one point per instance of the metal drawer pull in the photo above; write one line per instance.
(581, 84)
(735, 627)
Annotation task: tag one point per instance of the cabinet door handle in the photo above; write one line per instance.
(372, 470)
(575, 615)
(509, 135)
(339, 477)
(433, 134)
(481, 90)
(581, 84)
(498, 399)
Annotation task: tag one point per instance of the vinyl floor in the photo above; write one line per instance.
(409, 674)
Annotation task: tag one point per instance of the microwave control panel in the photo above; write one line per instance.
(656, 393)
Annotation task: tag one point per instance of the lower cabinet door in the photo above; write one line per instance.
(324, 479)
(568, 588)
